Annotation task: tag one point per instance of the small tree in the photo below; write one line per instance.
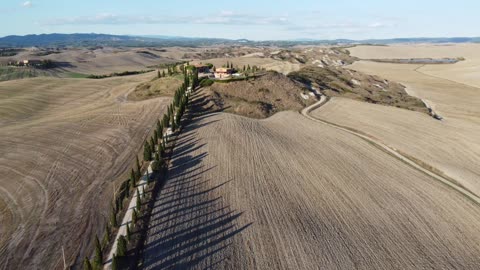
(86, 264)
(108, 231)
(143, 192)
(158, 74)
(147, 152)
(139, 202)
(134, 217)
(155, 166)
(121, 246)
(155, 136)
(114, 262)
(98, 258)
(106, 236)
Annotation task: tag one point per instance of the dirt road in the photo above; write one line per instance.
(392, 151)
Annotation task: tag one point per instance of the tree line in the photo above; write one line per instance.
(155, 152)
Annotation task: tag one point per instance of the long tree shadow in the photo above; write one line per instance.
(191, 226)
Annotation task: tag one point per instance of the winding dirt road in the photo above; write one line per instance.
(390, 150)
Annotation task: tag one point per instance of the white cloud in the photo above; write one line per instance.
(224, 17)
(27, 4)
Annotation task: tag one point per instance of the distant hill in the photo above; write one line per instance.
(63, 40)
(83, 40)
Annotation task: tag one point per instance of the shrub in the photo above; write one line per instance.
(206, 82)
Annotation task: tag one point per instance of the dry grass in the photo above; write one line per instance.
(289, 193)
(260, 97)
(65, 142)
(157, 87)
(267, 63)
(334, 82)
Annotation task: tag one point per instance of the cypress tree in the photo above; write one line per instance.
(128, 232)
(173, 125)
(139, 174)
(131, 184)
(114, 262)
(134, 217)
(158, 74)
(133, 176)
(155, 136)
(139, 202)
(143, 192)
(147, 152)
(166, 118)
(98, 258)
(157, 156)
(108, 231)
(86, 264)
(152, 143)
(121, 246)
(158, 126)
(163, 73)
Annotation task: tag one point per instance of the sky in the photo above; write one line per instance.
(250, 19)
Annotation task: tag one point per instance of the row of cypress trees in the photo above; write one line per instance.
(154, 150)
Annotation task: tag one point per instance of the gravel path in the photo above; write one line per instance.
(127, 219)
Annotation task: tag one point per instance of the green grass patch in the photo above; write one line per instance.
(76, 75)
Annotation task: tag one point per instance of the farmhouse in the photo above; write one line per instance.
(32, 63)
(202, 68)
(27, 63)
(222, 73)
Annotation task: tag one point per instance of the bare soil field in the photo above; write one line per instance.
(463, 72)
(450, 145)
(99, 61)
(290, 193)
(64, 143)
(450, 148)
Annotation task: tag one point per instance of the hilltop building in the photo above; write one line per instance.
(223, 73)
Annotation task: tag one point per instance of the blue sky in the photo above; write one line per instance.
(258, 20)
